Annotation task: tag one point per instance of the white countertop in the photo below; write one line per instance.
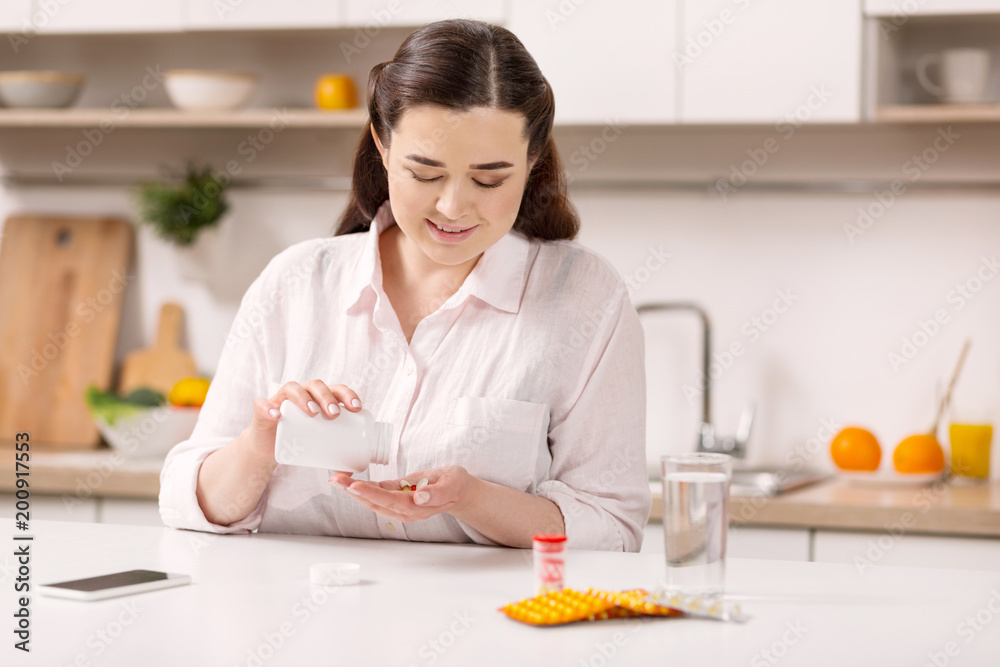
(424, 604)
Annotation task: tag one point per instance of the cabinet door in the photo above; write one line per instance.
(419, 12)
(15, 16)
(262, 14)
(608, 62)
(897, 8)
(769, 61)
(863, 550)
(109, 16)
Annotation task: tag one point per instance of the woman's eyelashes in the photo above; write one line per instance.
(436, 178)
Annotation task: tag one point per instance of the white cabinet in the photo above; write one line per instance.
(109, 16)
(769, 61)
(15, 16)
(262, 14)
(900, 9)
(608, 63)
(863, 550)
(418, 12)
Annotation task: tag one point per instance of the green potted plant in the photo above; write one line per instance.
(180, 208)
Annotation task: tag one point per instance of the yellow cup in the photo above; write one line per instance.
(970, 450)
(336, 91)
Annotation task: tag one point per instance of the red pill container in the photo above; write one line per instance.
(550, 562)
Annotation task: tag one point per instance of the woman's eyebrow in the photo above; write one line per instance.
(476, 167)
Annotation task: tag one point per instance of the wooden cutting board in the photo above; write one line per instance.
(163, 365)
(62, 281)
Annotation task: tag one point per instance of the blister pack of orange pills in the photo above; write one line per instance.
(570, 606)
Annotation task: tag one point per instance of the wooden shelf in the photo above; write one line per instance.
(175, 118)
(938, 113)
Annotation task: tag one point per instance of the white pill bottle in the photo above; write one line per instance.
(349, 442)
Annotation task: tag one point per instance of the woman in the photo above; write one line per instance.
(452, 304)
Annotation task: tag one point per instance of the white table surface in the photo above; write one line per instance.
(432, 604)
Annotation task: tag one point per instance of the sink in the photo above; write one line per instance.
(772, 481)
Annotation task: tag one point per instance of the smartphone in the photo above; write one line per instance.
(113, 585)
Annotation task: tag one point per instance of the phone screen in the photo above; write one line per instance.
(112, 580)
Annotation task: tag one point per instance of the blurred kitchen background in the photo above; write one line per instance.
(837, 221)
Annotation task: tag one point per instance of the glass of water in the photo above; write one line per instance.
(695, 519)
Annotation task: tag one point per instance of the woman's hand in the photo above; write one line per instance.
(448, 489)
(314, 398)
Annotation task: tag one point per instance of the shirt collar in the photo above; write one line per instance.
(498, 277)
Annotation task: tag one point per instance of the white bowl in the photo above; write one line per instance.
(150, 432)
(209, 89)
(41, 89)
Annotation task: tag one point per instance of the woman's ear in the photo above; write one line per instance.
(378, 145)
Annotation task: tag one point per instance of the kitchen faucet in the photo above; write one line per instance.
(707, 441)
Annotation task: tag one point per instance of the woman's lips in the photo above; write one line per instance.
(450, 237)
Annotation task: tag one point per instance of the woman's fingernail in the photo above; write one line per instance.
(356, 402)
(421, 497)
(333, 409)
(313, 407)
(351, 489)
(274, 413)
(422, 483)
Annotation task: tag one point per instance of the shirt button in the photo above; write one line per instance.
(409, 370)
(390, 527)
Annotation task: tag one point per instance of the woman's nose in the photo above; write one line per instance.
(453, 201)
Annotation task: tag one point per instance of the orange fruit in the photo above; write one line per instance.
(189, 393)
(336, 91)
(855, 449)
(919, 453)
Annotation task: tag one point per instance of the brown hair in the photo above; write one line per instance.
(461, 64)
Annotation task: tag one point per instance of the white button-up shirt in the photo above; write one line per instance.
(531, 375)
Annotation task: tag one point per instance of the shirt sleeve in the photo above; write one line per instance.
(239, 380)
(598, 476)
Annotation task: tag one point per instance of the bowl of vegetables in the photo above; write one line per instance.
(141, 423)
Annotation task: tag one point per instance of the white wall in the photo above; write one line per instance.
(824, 358)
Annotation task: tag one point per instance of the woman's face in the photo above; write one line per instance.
(461, 171)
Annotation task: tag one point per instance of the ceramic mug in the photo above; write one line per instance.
(964, 74)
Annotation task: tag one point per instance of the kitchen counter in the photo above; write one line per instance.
(251, 603)
(933, 509)
(98, 472)
(937, 508)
